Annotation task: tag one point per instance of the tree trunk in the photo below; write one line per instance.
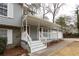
(78, 22)
(53, 18)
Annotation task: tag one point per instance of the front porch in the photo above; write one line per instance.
(37, 33)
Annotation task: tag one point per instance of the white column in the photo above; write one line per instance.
(38, 32)
(42, 31)
(26, 27)
(57, 34)
(9, 36)
(48, 34)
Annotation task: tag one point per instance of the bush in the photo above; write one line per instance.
(70, 35)
(3, 43)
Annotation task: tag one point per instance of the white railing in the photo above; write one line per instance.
(43, 39)
(26, 37)
(29, 38)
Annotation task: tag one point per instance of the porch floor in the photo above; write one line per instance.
(52, 48)
(16, 51)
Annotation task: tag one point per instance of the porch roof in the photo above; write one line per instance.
(34, 20)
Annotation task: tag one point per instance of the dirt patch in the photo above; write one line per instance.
(16, 51)
(70, 50)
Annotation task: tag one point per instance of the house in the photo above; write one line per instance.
(32, 32)
(10, 23)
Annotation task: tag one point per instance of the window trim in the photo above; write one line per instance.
(7, 31)
(3, 16)
(4, 8)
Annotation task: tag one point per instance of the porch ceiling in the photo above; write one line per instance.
(33, 20)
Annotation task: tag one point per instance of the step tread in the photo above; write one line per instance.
(34, 50)
(35, 42)
(37, 46)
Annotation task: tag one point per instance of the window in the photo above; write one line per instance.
(3, 9)
(3, 33)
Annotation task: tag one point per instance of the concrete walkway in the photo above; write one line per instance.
(47, 51)
(72, 39)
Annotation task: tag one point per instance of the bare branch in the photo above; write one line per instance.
(55, 9)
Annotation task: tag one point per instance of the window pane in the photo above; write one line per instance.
(3, 33)
(3, 9)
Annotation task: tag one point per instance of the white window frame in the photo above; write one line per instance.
(9, 35)
(9, 11)
(3, 8)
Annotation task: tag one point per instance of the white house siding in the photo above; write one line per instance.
(60, 35)
(13, 19)
(14, 15)
(54, 35)
(16, 37)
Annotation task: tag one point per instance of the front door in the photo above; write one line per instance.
(34, 33)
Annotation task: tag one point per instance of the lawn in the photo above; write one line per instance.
(70, 50)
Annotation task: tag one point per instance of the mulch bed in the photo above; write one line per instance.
(16, 51)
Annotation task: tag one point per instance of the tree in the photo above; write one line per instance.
(77, 16)
(33, 7)
(44, 9)
(61, 21)
(54, 9)
(66, 24)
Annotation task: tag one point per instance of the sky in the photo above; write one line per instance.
(67, 9)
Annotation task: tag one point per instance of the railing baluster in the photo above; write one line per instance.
(43, 39)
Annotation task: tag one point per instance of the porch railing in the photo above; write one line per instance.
(26, 37)
(43, 39)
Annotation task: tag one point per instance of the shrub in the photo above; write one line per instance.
(3, 43)
(70, 35)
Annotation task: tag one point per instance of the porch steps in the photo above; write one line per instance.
(36, 46)
(36, 43)
(39, 48)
